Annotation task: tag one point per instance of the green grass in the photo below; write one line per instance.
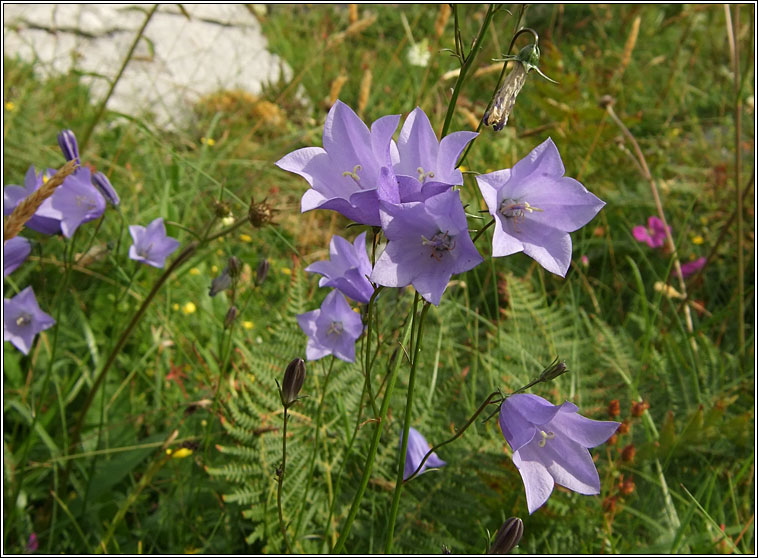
(622, 339)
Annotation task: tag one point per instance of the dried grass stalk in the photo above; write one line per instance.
(28, 207)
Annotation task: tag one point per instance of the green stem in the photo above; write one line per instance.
(127, 58)
(379, 426)
(457, 435)
(467, 63)
(369, 360)
(737, 180)
(416, 351)
(314, 453)
(281, 481)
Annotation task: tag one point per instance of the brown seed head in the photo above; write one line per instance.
(639, 407)
(261, 213)
(627, 454)
(614, 408)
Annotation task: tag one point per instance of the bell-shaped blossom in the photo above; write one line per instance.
(23, 319)
(332, 329)
(74, 202)
(70, 149)
(549, 444)
(347, 269)
(14, 195)
(344, 174)
(418, 447)
(428, 242)
(425, 158)
(654, 235)
(151, 244)
(535, 207)
(15, 252)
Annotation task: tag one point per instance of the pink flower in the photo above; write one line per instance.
(693, 267)
(654, 234)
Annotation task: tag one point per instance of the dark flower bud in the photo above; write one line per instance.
(234, 267)
(106, 188)
(294, 377)
(262, 272)
(508, 536)
(68, 145)
(231, 315)
(220, 283)
(553, 371)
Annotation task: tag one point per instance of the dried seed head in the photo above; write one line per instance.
(508, 536)
(221, 209)
(260, 214)
(294, 377)
(627, 454)
(639, 407)
(614, 408)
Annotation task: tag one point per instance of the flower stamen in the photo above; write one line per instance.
(24, 319)
(441, 242)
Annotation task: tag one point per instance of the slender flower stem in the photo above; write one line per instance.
(379, 426)
(314, 453)
(127, 58)
(481, 231)
(280, 474)
(416, 351)
(468, 61)
(369, 360)
(457, 435)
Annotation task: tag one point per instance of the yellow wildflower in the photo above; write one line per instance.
(189, 308)
(697, 239)
(194, 271)
(181, 453)
(247, 324)
(246, 237)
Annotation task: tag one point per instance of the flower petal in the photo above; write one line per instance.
(451, 147)
(569, 463)
(538, 483)
(587, 432)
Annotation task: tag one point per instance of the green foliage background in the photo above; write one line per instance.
(497, 327)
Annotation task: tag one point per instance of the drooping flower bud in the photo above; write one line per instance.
(508, 536)
(262, 272)
(294, 377)
(68, 145)
(106, 188)
(231, 315)
(220, 283)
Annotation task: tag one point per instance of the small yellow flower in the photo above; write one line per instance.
(246, 237)
(697, 239)
(462, 168)
(214, 268)
(203, 423)
(169, 451)
(181, 453)
(286, 271)
(703, 220)
(228, 221)
(208, 141)
(247, 324)
(175, 306)
(194, 271)
(189, 308)
(10, 106)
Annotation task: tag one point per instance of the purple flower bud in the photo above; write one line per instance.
(106, 188)
(231, 315)
(508, 536)
(294, 377)
(68, 145)
(262, 272)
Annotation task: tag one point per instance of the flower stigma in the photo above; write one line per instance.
(23, 319)
(354, 173)
(545, 437)
(335, 328)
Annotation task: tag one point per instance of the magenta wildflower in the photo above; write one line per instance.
(654, 234)
(549, 444)
(418, 447)
(347, 269)
(151, 244)
(693, 267)
(23, 319)
(32, 545)
(345, 173)
(332, 329)
(535, 207)
(428, 242)
(15, 252)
